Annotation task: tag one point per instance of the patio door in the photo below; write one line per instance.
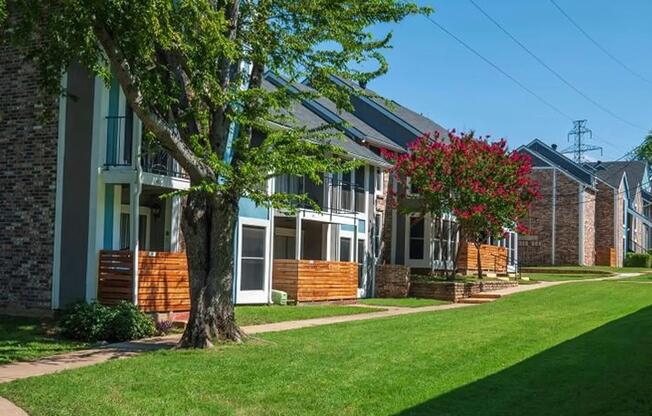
(253, 263)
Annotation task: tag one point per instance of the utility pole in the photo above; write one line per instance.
(579, 133)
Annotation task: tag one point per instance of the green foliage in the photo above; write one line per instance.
(192, 68)
(638, 260)
(95, 322)
(644, 151)
(86, 321)
(128, 322)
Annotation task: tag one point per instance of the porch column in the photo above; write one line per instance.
(134, 218)
(297, 238)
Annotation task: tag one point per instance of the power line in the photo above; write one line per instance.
(552, 71)
(499, 69)
(595, 42)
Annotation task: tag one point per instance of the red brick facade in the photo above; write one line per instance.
(557, 214)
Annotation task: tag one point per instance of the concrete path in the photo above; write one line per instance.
(56, 363)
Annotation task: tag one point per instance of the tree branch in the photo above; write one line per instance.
(167, 135)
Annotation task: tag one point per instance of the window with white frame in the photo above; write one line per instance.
(417, 238)
(379, 180)
(345, 249)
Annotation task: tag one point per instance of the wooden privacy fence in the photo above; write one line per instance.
(114, 277)
(493, 258)
(316, 280)
(163, 284)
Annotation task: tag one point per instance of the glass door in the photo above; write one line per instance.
(253, 279)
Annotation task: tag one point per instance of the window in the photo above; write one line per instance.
(378, 220)
(345, 249)
(379, 180)
(412, 188)
(288, 184)
(361, 257)
(359, 189)
(417, 238)
(252, 263)
(346, 201)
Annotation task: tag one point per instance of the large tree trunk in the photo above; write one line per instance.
(208, 225)
(478, 245)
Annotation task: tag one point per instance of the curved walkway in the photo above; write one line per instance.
(77, 359)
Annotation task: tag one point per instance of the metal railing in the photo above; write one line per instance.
(160, 162)
(118, 141)
(343, 195)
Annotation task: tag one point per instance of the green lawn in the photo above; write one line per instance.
(554, 277)
(256, 315)
(577, 349)
(642, 278)
(29, 338)
(605, 269)
(402, 302)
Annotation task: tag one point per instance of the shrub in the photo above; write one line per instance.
(86, 321)
(93, 322)
(128, 322)
(638, 260)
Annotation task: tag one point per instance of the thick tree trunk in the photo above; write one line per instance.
(208, 225)
(477, 248)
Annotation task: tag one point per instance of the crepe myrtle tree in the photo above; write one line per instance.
(191, 70)
(484, 185)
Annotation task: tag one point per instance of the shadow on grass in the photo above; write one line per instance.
(607, 371)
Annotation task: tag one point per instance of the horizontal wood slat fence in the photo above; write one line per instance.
(316, 280)
(493, 258)
(163, 284)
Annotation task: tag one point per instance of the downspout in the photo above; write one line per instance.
(134, 205)
(580, 233)
(554, 212)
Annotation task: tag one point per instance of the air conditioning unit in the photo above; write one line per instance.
(279, 297)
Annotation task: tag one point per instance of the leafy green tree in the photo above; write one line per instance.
(644, 151)
(191, 70)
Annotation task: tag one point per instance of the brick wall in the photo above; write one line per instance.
(392, 281)
(535, 248)
(454, 291)
(28, 151)
(589, 226)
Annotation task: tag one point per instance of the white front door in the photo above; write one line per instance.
(252, 281)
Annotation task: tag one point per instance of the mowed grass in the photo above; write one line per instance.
(256, 315)
(642, 278)
(604, 269)
(24, 339)
(402, 302)
(576, 349)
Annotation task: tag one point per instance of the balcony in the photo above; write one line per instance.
(334, 195)
(119, 150)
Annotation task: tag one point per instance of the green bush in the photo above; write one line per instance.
(86, 321)
(94, 322)
(638, 260)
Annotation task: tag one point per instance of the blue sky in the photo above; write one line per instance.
(433, 74)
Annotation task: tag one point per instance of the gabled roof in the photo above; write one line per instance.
(412, 121)
(310, 116)
(545, 155)
(612, 173)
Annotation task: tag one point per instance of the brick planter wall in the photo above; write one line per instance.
(454, 291)
(392, 281)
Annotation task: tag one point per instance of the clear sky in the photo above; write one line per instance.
(433, 74)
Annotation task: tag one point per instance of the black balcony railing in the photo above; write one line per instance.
(160, 162)
(343, 197)
(119, 141)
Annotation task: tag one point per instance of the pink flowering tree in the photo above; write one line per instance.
(485, 186)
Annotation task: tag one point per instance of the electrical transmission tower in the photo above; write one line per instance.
(580, 133)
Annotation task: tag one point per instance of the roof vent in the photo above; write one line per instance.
(554, 147)
(363, 84)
